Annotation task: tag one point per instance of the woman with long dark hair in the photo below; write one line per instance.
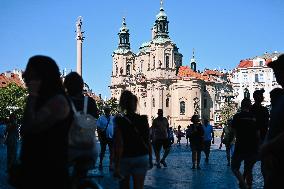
(45, 129)
(132, 148)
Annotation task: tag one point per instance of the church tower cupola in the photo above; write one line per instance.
(161, 23)
(123, 34)
(193, 62)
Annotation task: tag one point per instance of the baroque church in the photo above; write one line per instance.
(156, 76)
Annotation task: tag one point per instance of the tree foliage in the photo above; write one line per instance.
(12, 100)
(227, 112)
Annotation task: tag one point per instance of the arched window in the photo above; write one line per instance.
(128, 69)
(182, 108)
(246, 93)
(167, 102)
(153, 102)
(116, 70)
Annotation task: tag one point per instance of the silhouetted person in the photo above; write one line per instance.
(105, 132)
(132, 148)
(272, 151)
(247, 144)
(179, 135)
(208, 138)
(261, 113)
(228, 138)
(82, 159)
(47, 118)
(196, 134)
(12, 141)
(160, 127)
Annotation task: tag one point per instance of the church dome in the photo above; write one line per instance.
(162, 15)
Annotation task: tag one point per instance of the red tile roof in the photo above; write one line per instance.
(12, 78)
(245, 64)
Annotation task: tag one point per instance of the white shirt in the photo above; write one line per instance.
(102, 123)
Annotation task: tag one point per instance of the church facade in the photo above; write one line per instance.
(156, 76)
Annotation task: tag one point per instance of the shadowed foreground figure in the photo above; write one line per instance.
(247, 144)
(132, 148)
(272, 152)
(45, 128)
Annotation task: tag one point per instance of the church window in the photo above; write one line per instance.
(256, 78)
(148, 66)
(116, 70)
(182, 108)
(261, 79)
(154, 62)
(128, 69)
(167, 61)
(153, 102)
(167, 102)
(145, 104)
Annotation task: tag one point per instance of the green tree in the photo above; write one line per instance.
(12, 99)
(112, 103)
(227, 112)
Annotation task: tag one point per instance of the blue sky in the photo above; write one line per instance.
(222, 31)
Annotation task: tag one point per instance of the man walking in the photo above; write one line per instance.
(208, 137)
(160, 138)
(105, 134)
(261, 113)
(247, 144)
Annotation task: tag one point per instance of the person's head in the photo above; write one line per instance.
(245, 104)
(128, 101)
(160, 112)
(278, 69)
(258, 96)
(74, 84)
(275, 94)
(44, 69)
(195, 118)
(107, 110)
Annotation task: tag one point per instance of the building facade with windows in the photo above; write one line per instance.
(156, 76)
(253, 74)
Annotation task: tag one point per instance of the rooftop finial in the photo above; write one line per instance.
(193, 53)
(123, 20)
(161, 4)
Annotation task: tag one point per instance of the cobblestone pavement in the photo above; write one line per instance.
(178, 174)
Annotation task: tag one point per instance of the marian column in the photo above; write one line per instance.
(79, 38)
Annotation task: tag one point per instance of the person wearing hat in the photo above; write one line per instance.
(272, 151)
(105, 134)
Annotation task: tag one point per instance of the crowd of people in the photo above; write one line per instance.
(252, 134)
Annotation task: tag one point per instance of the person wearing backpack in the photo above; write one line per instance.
(83, 158)
(105, 134)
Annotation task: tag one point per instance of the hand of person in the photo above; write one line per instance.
(33, 87)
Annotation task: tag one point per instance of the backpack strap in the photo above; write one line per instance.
(73, 106)
(85, 104)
